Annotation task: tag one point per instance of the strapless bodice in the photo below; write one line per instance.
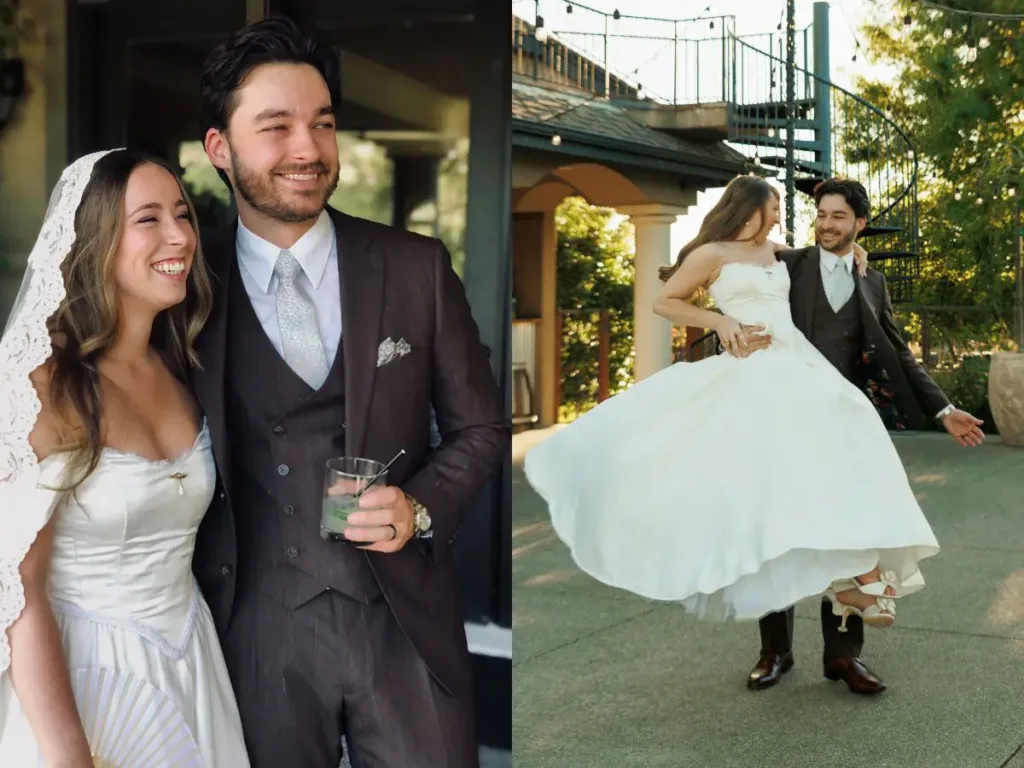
(757, 295)
(123, 543)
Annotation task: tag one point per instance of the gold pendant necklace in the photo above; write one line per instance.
(179, 476)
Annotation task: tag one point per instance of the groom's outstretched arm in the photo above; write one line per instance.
(469, 410)
(929, 395)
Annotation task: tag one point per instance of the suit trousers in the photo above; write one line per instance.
(777, 633)
(336, 667)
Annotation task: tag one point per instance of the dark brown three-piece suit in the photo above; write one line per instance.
(863, 342)
(321, 638)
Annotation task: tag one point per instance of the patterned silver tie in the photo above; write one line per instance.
(296, 316)
(840, 292)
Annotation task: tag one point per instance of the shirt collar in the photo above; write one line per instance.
(831, 260)
(312, 251)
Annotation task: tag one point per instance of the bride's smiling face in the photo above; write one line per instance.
(765, 219)
(157, 246)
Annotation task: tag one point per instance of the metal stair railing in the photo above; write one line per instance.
(836, 133)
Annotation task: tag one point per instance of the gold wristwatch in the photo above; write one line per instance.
(420, 518)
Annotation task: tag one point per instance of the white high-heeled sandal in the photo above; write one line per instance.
(879, 615)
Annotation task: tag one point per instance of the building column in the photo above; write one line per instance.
(652, 335)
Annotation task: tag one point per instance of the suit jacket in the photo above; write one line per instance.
(399, 285)
(888, 362)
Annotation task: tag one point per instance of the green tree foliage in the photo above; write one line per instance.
(595, 272)
(966, 119)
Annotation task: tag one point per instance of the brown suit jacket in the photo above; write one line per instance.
(399, 285)
(919, 398)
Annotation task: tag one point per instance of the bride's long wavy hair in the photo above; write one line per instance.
(743, 197)
(88, 320)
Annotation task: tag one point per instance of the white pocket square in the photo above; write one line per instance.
(389, 350)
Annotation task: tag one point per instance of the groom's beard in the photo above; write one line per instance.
(257, 189)
(840, 246)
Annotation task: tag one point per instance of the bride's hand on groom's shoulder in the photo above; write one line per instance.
(860, 257)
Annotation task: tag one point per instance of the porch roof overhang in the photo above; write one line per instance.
(603, 132)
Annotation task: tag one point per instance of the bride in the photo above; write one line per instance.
(105, 473)
(738, 485)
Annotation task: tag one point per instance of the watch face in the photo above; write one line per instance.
(422, 521)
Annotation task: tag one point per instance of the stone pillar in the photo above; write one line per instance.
(652, 335)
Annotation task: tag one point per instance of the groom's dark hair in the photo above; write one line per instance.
(851, 191)
(272, 41)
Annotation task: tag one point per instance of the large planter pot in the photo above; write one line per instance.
(1006, 396)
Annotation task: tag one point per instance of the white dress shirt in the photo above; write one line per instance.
(317, 254)
(839, 283)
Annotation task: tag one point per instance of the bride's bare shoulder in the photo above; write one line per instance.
(710, 254)
(45, 437)
(55, 426)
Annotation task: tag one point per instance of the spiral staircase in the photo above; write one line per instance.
(834, 133)
(722, 87)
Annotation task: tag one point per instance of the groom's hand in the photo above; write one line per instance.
(384, 522)
(964, 428)
(755, 340)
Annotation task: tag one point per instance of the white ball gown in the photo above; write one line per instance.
(735, 486)
(146, 666)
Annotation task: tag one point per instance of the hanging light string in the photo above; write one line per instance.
(990, 16)
(849, 28)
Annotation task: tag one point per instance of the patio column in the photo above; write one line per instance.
(652, 335)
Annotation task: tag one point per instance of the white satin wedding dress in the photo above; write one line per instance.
(145, 663)
(735, 486)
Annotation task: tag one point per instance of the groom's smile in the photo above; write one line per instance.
(281, 143)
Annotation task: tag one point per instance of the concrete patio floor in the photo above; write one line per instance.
(604, 678)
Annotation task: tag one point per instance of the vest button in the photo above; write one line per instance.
(293, 552)
(226, 570)
(289, 510)
(283, 470)
(279, 430)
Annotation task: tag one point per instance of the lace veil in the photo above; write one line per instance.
(24, 346)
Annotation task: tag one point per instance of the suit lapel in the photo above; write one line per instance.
(212, 346)
(362, 303)
(868, 310)
(810, 284)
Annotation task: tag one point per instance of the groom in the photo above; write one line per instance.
(333, 336)
(849, 319)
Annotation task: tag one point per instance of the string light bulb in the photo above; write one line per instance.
(984, 43)
(907, 21)
(947, 33)
(568, 7)
(616, 15)
(556, 140)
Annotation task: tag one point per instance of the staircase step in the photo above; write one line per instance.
(777, 109)
(777, 142)
(802, 166)
(872, 230)
(760, 124)
(806, 184)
